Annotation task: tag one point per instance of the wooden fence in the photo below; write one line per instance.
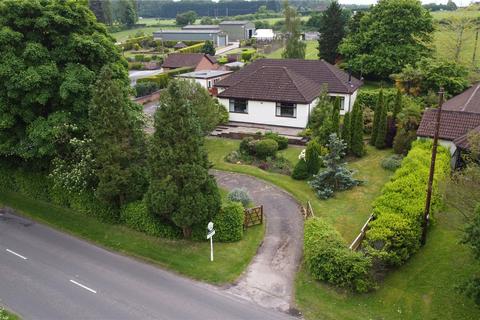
(253, 216)
(307, 211)
(358, 240)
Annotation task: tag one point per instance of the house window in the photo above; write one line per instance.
(342, 101)
(288, 110)
(238, 106)
(209, 85)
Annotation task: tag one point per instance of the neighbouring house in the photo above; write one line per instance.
(264, 35)
(206, 78)
(238, 30)
(218, 37)
(179, 45)
(199, 61)
(283, 92)
(310, 36)
(460, 116)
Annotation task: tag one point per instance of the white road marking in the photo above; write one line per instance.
(82, 286)
(18, 255)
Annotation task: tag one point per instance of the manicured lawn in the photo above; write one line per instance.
(347, 210)
(311, 52)
(188, 258)
(422, 289)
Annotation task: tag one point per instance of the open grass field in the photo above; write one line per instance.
(180, 256)
(311, 52)
(424, 288)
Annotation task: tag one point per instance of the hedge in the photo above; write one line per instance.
(369, 98)
(328, 258)
(394, 234)
(196, 48)
(162, 79)
(229, 222)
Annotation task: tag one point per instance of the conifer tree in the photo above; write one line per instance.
(312, 157)
(347, 131)
(118, 141)
(181, 189)
(332, 31)
(381, 128)
(397, 106)
(356, 142)
(336, 116)
(376, 117)
(294, 48)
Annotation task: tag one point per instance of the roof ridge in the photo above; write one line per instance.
(471, 97)
(330, 66)
(289, 73)
(455, 111)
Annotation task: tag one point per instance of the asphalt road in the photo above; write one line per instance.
(45, 274)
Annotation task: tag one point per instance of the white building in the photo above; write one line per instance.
(206, 78)
(283, 92)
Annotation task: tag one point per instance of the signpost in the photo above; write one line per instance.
(211, 233)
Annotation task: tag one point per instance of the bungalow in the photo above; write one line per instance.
(460, 116)
(283, 92)
(199, 61)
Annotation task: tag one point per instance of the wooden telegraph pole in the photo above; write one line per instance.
(426, 215)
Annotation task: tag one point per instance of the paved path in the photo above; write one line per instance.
(231, 47)
(46, 274)
(269, 280)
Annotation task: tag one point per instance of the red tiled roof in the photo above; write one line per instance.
(468, 101)
(462, 141)
(317, 71)
(179, 60)
(270, 83)
(453, 124)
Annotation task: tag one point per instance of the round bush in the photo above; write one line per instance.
(247, 146)
(240, 195)
(228, 223)
(281, 140)
(392, 162)
(300, 171)
(266, 148)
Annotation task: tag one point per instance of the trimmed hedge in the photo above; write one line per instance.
(266, 148)
(162, 79)
(395, 233)
(369, 98)
(196, 48)
(328, 258)
(136, 216)
(229, 222)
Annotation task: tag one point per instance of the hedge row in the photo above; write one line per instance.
(394, 234)
(328, 258)
(369, 98)
(162, 79)
(196, 48)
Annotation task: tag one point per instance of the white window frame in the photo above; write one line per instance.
(280, 105)
(231, 106)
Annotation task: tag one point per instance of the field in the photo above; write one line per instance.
(311, 52)
(424, 288)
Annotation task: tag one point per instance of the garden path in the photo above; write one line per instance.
(269, 279)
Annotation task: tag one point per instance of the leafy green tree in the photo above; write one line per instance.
(336, 116)
(295, 47)
(376, 117)
(332, 31)
(102, 10)
(357, 146)
(181, 190)
(393, 33)
(312, 157)
(408, 121)
(118, 141)
(347, 131)
(125, 12)
(185, 18)
(46, 76)
(208, 48)
(381, 127)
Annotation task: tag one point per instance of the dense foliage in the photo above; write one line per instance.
(332, 30)
(229, 222)
(208, 48)
(393, 33)
(50, 54)
(407, 122)
(240, 195)
(312, 157)
(321, 120)
(394, 234)
(392, 162)
(184, 18)
(181, 189)
(357, 146)
(329, 259)
(294, 48)
(336, 176)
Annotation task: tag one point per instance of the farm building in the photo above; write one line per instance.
(238, 30)
(218, 37)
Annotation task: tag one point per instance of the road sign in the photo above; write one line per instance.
(210, 235)
(210, 226)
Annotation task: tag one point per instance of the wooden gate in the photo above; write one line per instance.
(253, 216)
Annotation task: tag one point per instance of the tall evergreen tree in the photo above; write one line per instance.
(381, 127)
(332, 31)
(208, 48)
(376, 117)
(181, 190)
(347, 132)
(398, 103)
(118, 140)
(336, 116)
(102, 10)
(295, 47)
(356, 142)
(312, 157)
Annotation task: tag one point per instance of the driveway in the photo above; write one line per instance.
(230, 47)
(269, 279)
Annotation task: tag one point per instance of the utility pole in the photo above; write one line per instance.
(426, 215)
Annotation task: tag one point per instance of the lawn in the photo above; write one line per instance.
(311, 52)
(181, 256)
(347, 211)
(4, 314)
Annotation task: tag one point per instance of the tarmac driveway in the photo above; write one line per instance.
(269, 279)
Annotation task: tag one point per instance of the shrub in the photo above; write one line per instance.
(369, 98)
(392, 162)
(34, 185)
(233, 157)
(135, 66)
(247, 146)
(403, 140)
(136, 216)
(248, 54)
(266, 148)
(87, 204)
(239, 195)
(300, 171)
(139, 58)
(394, 235)
(196, 48)
(367, 120)
(281, 140)
(312, 157)
(145, 88)
(229, 222)
(328, 258)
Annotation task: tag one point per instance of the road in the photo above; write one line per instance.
(45, 274)
(134, 75)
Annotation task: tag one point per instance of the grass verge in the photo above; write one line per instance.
(181, 256)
